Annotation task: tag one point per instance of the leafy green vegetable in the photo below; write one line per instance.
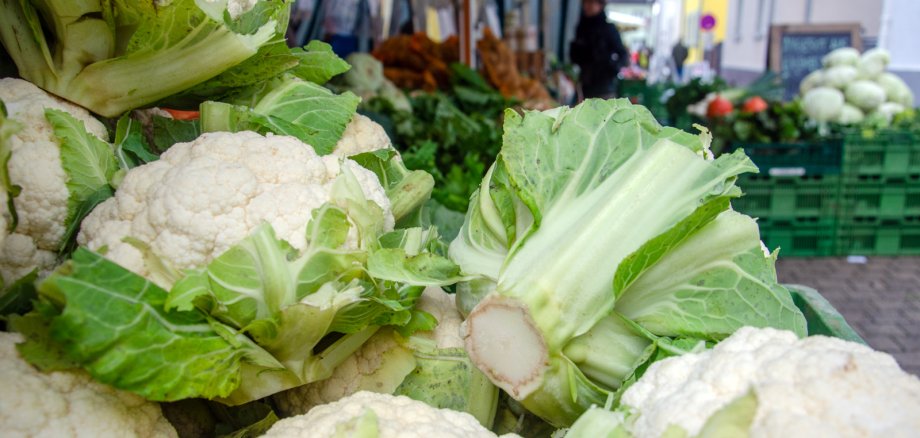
(260, 318)
(131, 146)
(602, 242)
(407, 189)
(318, 63)
(90, 165)
(288, 106)
(17, 297)
(114, 325)
(781, 122)
(113, 56)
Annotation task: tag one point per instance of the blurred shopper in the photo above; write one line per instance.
(679, 55)
(598, 50)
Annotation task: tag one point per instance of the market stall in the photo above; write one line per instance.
(378, 219)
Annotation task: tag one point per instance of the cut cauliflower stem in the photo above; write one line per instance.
(812, 387)
(35, 165)
(202, 197)
(364, 370)
(361, 135)
(382, 416)
(69, 404)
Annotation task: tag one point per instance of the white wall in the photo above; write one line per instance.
(745, 46)
(898, 34)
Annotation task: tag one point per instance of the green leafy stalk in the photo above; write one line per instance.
(599, 209)
(408, 190)
(113, 56)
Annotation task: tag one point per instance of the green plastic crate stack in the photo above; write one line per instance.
(879, 212)
(795, 196)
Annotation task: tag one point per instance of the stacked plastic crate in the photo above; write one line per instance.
(795, 196)
(879, 212)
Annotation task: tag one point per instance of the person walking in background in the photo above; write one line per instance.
(679, 55)
(598, 50)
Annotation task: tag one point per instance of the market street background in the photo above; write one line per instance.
(879, 299)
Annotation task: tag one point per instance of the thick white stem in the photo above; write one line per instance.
(503, 341)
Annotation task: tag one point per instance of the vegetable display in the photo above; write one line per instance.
(598, 227)
(201, 235)
(853, 88)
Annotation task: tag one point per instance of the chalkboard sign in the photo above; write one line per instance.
(796, 50)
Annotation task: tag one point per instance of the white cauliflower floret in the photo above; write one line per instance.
(35, 165)
(361, 135)
(817, 386)
(202, 197)
(391, 416)
(69, 403)
(441, 305)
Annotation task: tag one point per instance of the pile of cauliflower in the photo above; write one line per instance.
(852, 88)
(202, 197)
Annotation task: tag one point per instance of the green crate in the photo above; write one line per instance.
(881, 155)
(795, 159)
(788, 197)
(801, 237)
(820, 316)
(890, 199)
(866, 238)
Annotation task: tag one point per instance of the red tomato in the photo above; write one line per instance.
(719, 107)
(754, 104)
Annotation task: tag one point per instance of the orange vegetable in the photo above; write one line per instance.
(183, 114)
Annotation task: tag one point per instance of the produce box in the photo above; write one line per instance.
(894, 198)
(800, 237)
(807, 196)
(795, 159)
(879, 236)
(821, 317)
(874, 156)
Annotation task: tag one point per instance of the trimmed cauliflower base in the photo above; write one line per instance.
(355, 373)
(69, 404)
(35, 165)
(813, 387)
(396, 416)
(202, 197)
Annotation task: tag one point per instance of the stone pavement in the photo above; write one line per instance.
(880, 299)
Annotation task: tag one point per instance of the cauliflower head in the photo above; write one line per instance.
(202, 197)
(35, 165)
(812, 387)
(379, 415)
(361, 135)
(69, 403)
